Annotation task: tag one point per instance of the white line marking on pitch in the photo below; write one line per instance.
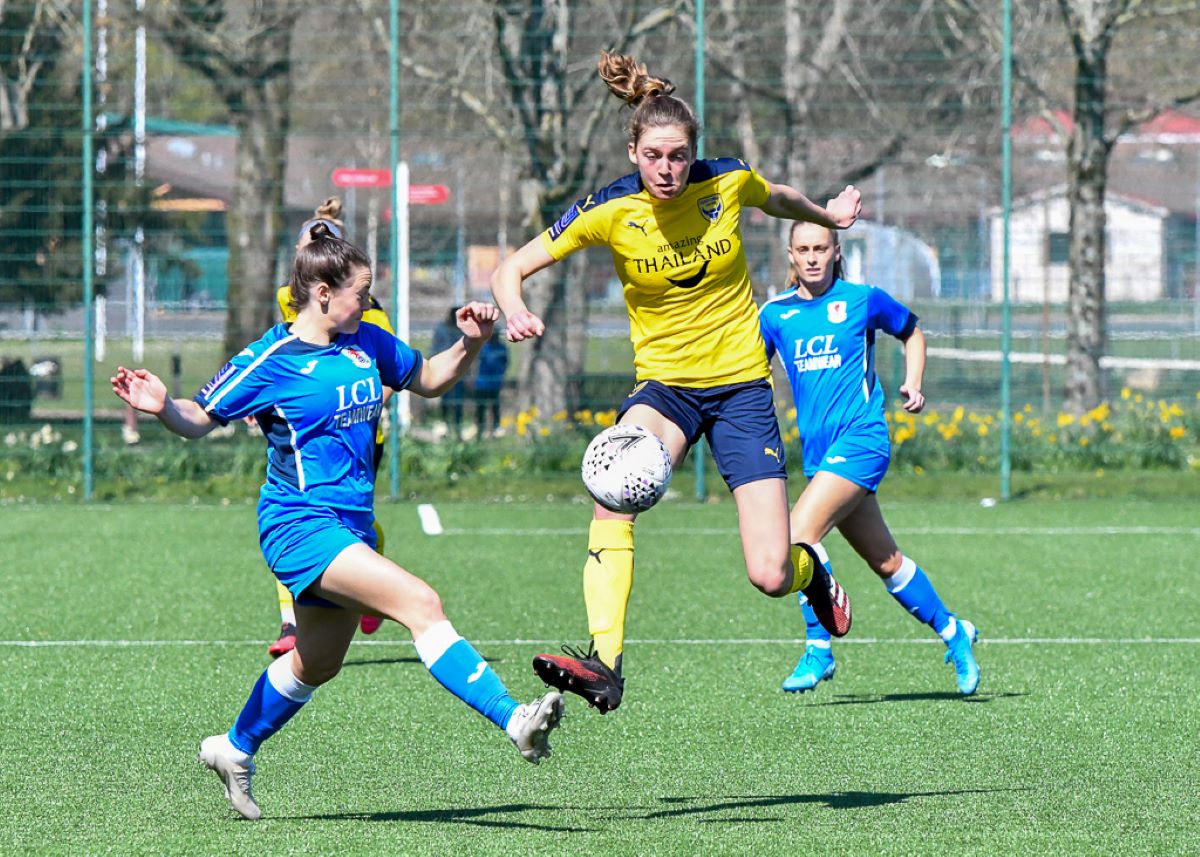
(993, 641)
(907, 531)
(430, 522)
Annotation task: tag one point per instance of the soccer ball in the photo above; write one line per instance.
(626, 469)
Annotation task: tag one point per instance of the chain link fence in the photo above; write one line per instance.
(218, 128)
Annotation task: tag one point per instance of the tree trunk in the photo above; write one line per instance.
(1087, 182)
(254, 218)
(544, 382)
(558, 353)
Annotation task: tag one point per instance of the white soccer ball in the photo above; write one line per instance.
(626, 469)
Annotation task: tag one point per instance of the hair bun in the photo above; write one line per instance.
(330, 209)
(320, 230)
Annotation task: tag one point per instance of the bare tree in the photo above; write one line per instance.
(243, 50)
(39, 209)
(1092, 26)
(546, 114)
(827, 95)
(1110, 92)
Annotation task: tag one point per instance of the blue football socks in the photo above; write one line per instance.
(916, 594)
(276, 697)
(814, 631)
(462, 671)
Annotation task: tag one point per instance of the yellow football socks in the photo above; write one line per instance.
(378, 537)
(802, 568)
(607, 579)
(287, 610)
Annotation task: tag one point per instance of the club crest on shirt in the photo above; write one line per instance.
(711, 207)
(837, 311)
(357, 356)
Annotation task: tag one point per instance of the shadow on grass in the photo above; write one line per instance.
(412, 659)
(680, 807)
(366, 662)
(479, 816)
(833, 800)
(871, 698)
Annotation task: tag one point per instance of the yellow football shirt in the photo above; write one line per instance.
(692, 316)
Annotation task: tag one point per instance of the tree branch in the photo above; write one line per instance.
(1130, 119)
(868, 168)
(468, 100)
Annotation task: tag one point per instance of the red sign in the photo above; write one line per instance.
(353, 177)
(428, 194)
(418, 194)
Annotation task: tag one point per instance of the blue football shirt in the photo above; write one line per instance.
(827, 346)
(318, 406)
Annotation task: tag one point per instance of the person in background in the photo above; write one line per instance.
(329, 213)
(452, 400)
(487, 383)
(316, 388)
(823, 329)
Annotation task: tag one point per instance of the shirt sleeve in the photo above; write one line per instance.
(889, 315)
(399, 363)
(241, 387)
(768, 333)
(755, 190)
(581, 225)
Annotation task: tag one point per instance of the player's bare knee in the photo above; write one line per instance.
(770, 578)
(421, 608)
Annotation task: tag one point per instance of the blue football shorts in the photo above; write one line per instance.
(299, 543)
(737, 420)
(862, 458)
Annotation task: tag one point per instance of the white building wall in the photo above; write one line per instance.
(1134, 269)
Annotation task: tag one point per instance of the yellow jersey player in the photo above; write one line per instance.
(673, 229)
(328, 213)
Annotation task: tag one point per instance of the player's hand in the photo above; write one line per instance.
(140, 389)
(845, 207)
(477, 319)
(914, 398)
(524, 325)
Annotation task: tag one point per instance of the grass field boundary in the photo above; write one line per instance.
(755, 641)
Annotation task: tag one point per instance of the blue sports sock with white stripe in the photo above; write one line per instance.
(916, 594)
(276, 697)
(462, 671)
(814, 631)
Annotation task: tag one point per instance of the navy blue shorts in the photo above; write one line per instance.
(737, 420)
(299, 544)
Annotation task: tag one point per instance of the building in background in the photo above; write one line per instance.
(1136, 249)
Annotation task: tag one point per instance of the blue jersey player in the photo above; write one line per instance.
(823, 330)
(316, 387)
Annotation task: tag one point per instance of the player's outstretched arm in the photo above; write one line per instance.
(838, 213)
(520, 323)
(914, 371)
(442, 370)
(145, 391)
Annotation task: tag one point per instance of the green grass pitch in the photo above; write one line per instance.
(151, 623)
